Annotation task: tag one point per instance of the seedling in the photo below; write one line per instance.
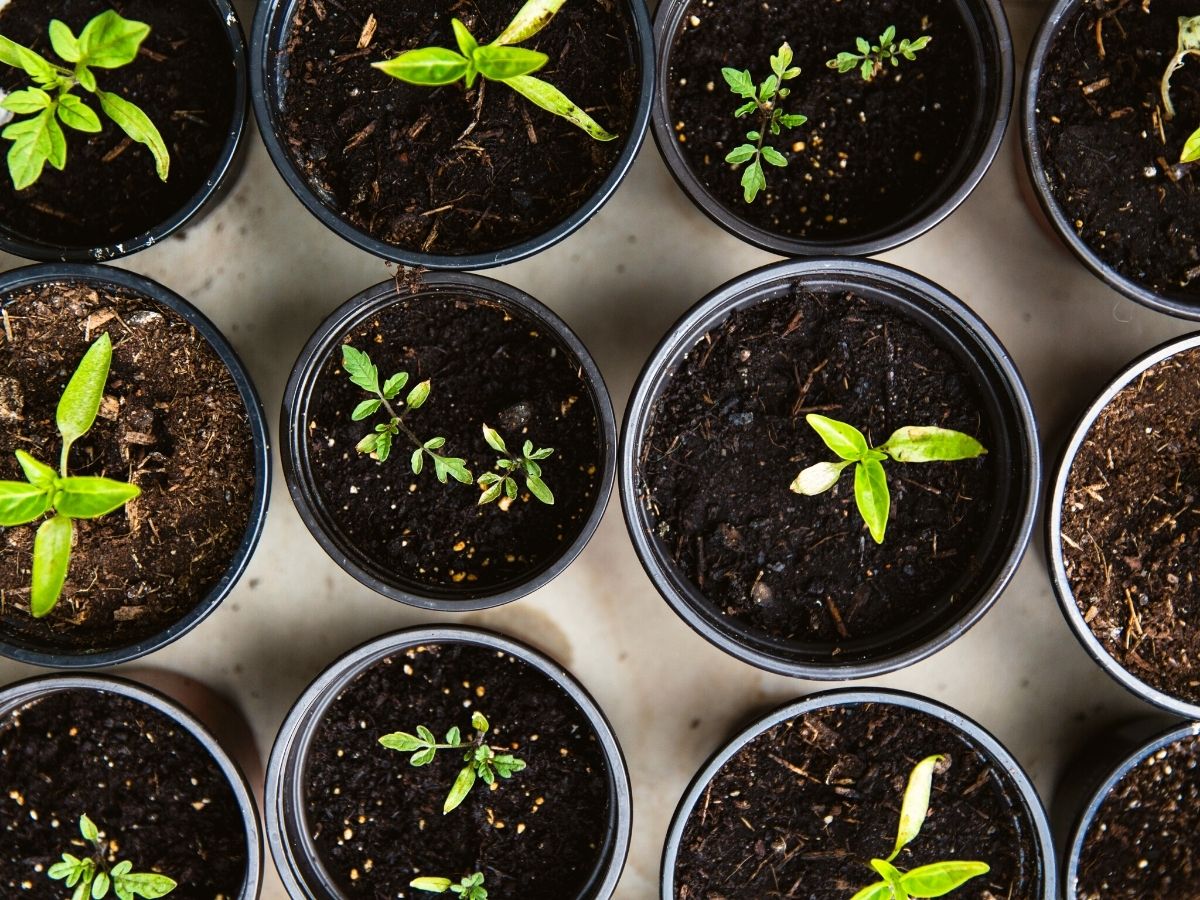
(871, 58)
(93, 877)
(378, 443)
(482, 761)
(107, 42)
(69, 498)
(500, 61)
(763, 100)
(911, 444)
(470, 888)
(934, 880)
(510, 465)
(1186, 44)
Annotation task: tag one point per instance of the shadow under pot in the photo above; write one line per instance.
(110, 198)
(465, 175)
(726, 415)
(473, 466)
(848, 165)
(162, 793)
(1121, 534)
(810, 795)
(172, 424)
(359, 802)
(1104, 155)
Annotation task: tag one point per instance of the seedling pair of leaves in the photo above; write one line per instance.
(910, 444)
(871, 58)
(91, 877)
(470, 888)
(483, 763)
(67, 497)
(500, 61)
(1187, 44)
(526, 463)
(107, 42)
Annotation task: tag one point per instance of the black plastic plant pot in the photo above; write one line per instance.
(398, 223)
(716, 431)
(1100, 225)
(1115, 598)
(324, 764)
(494, 356)
(153, 779)
(821, 779)
(207, 154)
(852, 186)
(180, 419)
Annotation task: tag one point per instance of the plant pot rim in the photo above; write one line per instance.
(266, 76)
(666, 23)
(1056, 493)
(27, 276)
(985, 741)
(28, 689)
(220, 176)
(1096, 798)
(294, 451)
(1175, 303)
(684, 597)
(284, 791)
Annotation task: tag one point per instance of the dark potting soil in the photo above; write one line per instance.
(487, 365)
(870, 153)
(1110, 156)
(803, 808)
(183, 79)
(449, 170)
(152, 789)
(172, 422)
(1131, 530)
(729, 435)
(378, 822)
(1142, 842)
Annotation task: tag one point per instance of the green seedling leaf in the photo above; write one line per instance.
(64, 42)
(365, 410)
(939, 879)
(843, 439)
(891, 876)
(740, 83)
(402, 741)
(774, 157)
(33, 146)
(500, 63)
(383, 446)
(394, 385)
(51, 558)
(819, 478)
(19, 57)
(877, 891)
(418, 395)
(538, 488)
(86, 78)
(480, 723)
(428, 66)
(433, 885)
(110, 41)
(88, 829)
(30, 100)
(361, 370)
(1191, 148)
(741, 154)
(492, 436)
(138, 127)
(467, 44)
(551, 99)
(81, 400)
(916, 802)
(462, 786)
(872, 496)
(74, 113)
(38, 473)
(529, 20)
(100, 885)
(754, 181)
(914, 444)
(491, 493)
(144, 884)
(22, 503)
(90, 498)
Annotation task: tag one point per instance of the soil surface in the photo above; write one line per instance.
(1142, 842)
(802, 809)
(152, 789)
(449, 170)
(1109, 153)
(486, 366)
(870, 153)
(1131, 527)
(172, 422)
(729, 435)
(378, 822)
(109, 192)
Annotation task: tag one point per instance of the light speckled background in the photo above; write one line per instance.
(267, 273)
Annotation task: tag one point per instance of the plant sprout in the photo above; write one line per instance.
(525, 463)
(870, 58)
(378, 444)
(107, 42)
(1187, 43)
(69, 498)
(482, 761)
(764, 101)
(498, 61)
(911, 444)
(92, 876)
(934, 880)
(470, 888)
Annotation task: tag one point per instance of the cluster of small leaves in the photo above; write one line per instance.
(483, 762)
(92, 877)
(871, 58)
(498, 61)
(1187, 44)
(365, 374)
(470, 888)
(910, 444)
(107, 42)
(763, 100)
(934, 880)
(525, 463)
(69, 498)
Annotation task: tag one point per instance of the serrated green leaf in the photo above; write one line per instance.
(551, 99)
(20, 57)
(766, 90)
(90, 498)
(916, 800)
(740, 83)
(500, 63)
(428, 66)
(461, 787)
(529, 20)
(30, 100)
(22, 503)
(110, 41)
(147, 884)
(939, 879)
(782, 60)
(863, 45)
(363, 373)
(919, 444)
(33, 146)
(81, 400)
(745, 109)
(753, 180)
(394, 385)
(138, 127)
(843, 439)
(494, 440)
(74, 113)
(792, 121)
(872, 496)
